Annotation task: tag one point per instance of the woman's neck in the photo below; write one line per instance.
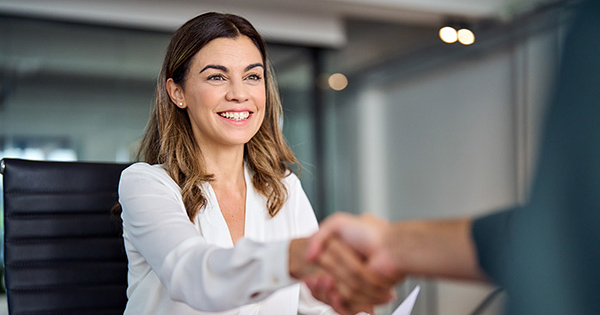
(227, 166)
(229, 186)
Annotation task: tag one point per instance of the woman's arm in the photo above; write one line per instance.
(204, 276)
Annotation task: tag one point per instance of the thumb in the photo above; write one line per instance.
(328, 228)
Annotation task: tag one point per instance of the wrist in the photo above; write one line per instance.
(296, 258)
(393, 251)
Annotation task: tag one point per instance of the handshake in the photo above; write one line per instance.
(347, 263)
(353, 263)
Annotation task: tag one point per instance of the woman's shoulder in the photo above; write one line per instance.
(143, 167)
(291, 181)
(143, 178)
(144, 170)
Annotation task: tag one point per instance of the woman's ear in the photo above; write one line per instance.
(176, 93)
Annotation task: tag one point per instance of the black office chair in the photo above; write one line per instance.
(63, 251)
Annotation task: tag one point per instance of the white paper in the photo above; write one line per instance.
(407, 305)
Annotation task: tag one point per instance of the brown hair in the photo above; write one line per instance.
(169, 140)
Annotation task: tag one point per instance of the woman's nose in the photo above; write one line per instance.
(237, 91)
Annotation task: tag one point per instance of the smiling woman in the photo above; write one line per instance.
(224, 94)
(209, 215)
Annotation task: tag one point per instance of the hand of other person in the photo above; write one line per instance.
(369, 236)
(339, 277)
(429, 248)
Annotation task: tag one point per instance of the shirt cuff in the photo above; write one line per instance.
(276, 267)
(492, 237)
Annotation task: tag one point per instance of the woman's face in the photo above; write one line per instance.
(224, 92)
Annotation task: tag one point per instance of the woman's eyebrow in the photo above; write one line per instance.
(254, 65)
(222, 68)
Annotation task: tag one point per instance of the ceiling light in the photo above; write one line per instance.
(465, 36)
(337, 81)
(448, 34)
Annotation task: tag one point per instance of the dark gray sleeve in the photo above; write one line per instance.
(492, 236)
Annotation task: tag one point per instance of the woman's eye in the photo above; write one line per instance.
(216, 77)
(254, 77)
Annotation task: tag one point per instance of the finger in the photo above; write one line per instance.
(338, 304)
(323, 289)
(319, 287)
(329, 227)
(351, 307)
(359, 268)
(354, 280)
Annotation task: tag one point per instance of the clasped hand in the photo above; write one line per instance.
(346, 268)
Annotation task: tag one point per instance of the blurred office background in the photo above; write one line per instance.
(421, 128)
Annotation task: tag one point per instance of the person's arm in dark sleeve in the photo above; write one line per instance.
(492, 237)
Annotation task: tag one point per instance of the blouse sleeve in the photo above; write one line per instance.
(204, 276)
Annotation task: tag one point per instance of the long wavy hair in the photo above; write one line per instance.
(169, 140)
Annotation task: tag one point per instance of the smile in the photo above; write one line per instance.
(235, 115)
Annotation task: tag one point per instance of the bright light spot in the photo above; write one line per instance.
(337, 81)
(466, 37)
(10, 152)
(33, 154)
(61, 155)
(448, 34)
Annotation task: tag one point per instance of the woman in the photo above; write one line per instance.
(208, 216)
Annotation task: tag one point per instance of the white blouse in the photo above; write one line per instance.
(180, 267)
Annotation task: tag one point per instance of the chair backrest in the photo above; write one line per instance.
(63, 251)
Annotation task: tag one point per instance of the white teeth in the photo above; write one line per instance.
(235, 115)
